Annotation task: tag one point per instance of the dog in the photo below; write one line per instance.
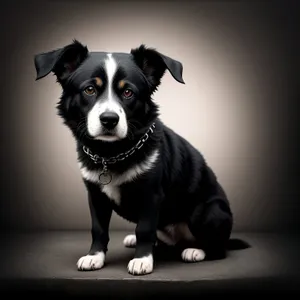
(131, 162)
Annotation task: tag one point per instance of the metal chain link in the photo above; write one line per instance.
(111, 160)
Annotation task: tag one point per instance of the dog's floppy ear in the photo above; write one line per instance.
(62, 62)
(154, 65)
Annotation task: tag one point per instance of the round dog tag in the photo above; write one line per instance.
(105, 178)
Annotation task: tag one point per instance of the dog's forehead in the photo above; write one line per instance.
(119, 58)
(108, 62)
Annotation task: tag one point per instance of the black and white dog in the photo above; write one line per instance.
(133, 164)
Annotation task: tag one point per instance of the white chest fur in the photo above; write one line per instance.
(112, 190)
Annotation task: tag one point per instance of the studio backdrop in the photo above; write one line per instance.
(237, 105)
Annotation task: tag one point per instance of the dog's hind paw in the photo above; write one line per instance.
(130, 240)
(141, 266)
(192, 255)
(91, 262)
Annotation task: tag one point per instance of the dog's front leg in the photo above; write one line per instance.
(145, 231)
(100, 211)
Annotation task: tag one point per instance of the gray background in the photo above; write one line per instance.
(238, 106)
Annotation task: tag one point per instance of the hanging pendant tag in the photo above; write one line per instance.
(105, 177)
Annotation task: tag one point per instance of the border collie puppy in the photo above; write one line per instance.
(132, 163)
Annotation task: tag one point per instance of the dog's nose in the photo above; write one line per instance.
(109, 119)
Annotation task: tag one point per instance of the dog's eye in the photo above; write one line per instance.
(90, 90)
(128, 93)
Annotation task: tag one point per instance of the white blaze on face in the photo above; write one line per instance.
(108, 103)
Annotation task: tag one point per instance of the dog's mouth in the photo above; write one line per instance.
(104, 136)
(107, 135)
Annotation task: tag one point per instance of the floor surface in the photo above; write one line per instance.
(46, 262)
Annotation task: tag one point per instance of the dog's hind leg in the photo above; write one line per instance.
(129, 241)
(211, 225)
(211, 220)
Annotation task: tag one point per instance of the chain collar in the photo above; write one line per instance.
(112, 160)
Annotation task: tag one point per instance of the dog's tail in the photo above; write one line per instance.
(237, 244)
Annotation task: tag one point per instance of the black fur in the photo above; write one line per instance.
(180, 188)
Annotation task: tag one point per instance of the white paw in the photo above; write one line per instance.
(192, 255)
(141, 266)
(129, 240)
(91, 262)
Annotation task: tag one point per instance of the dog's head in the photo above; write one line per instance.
(106, 96)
